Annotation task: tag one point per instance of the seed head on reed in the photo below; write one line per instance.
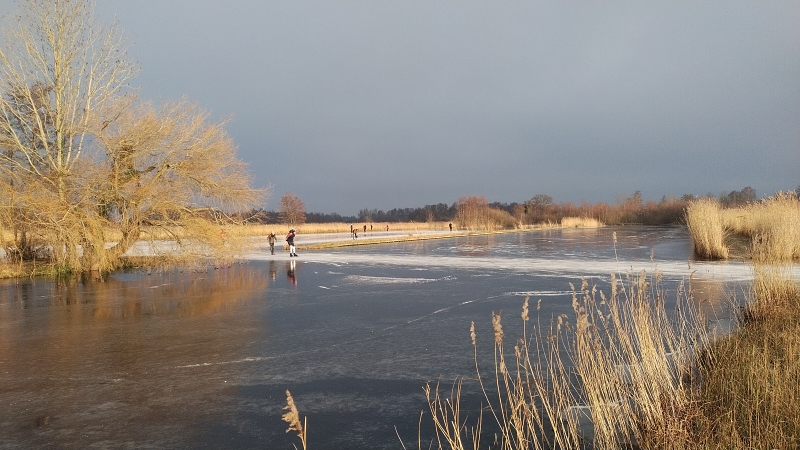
(525, 310)
(472, 332)
(498, 328)
(293, 419)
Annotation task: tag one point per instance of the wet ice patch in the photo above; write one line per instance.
(364, 280)
(538, 293)
(222, 363)
(562, 266)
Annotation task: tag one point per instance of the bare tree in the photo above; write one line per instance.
(472, 212)
(292, 209)
(80, 161)
(168, 169)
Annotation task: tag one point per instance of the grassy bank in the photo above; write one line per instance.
(750, 396)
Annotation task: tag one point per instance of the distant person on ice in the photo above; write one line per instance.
(290, 241)
(271, 239)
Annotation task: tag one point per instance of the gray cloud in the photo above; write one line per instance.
(394, 104)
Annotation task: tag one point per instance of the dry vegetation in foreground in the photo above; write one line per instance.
(770, 226)
(750, 396)
(613, 376)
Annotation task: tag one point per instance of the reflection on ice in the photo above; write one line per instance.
(567, 267)
(537, 294)
(363, 279)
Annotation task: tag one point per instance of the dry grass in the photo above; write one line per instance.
(613, 378)
(707, 229)
(292, 417)
(751, 384)
(642, 379)
(771, 226)
(580, 222)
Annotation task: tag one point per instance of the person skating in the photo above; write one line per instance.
(271, 239)
(290, 241)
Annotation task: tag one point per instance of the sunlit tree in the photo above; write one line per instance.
(472, 212)
(82, 163)
(292, 209)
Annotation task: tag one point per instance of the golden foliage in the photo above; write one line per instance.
(82, 166)
(769, 224)
(707, 228)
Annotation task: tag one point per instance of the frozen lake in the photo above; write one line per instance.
(202, 359)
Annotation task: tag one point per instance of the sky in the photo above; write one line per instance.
(390, 104)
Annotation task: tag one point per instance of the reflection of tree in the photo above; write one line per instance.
(180, 293)
(124, 351)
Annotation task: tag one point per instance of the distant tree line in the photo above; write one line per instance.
(540, 208)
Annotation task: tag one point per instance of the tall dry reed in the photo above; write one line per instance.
(292, 417)
(707, 229)
(613, 378)
(580, 222)
(771, 226)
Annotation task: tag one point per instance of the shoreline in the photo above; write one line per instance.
(143, 255)
(410, 237)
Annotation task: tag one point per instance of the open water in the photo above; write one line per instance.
(187, 359)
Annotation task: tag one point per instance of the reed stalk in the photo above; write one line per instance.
(292, 417)
(614, 378)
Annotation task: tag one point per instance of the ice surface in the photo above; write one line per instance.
(203, 359)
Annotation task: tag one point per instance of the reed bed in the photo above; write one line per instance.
(580, 222)
(611, 378)
(707, 229)
(771, 226)
(341, 227)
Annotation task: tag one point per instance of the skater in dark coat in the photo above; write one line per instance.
(290, 241)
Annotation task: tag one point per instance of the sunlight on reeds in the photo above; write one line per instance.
(580, 222)
(707, 229)
(613, 377)
(292, 417)
(771, 226)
